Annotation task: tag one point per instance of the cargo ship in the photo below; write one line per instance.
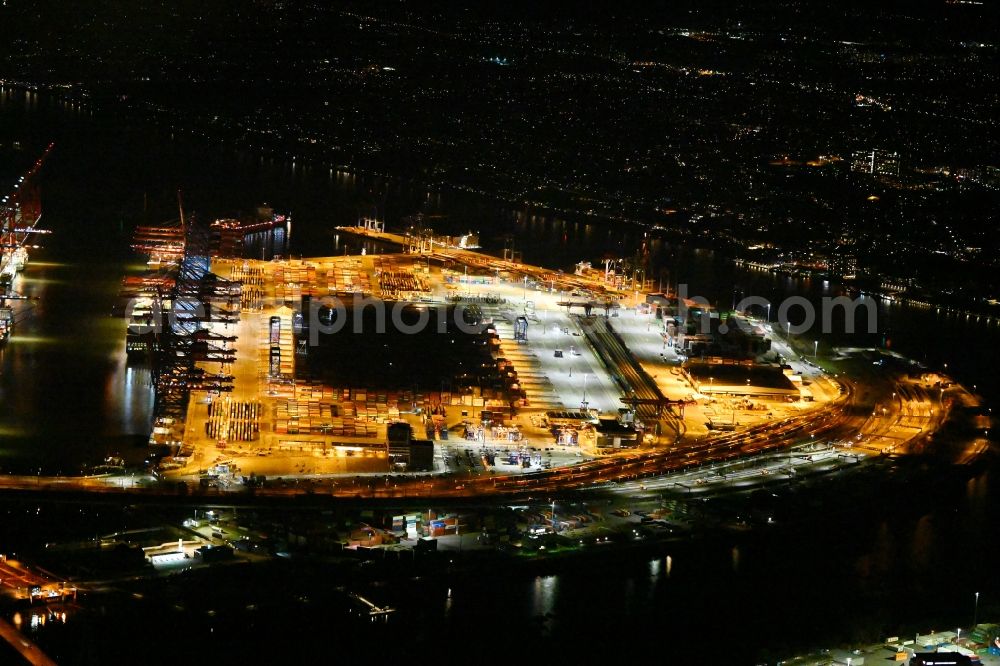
(20, 214)
(11, 263)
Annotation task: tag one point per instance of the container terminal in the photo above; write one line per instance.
(257, 377)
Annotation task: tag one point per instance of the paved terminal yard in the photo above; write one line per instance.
(280, 420)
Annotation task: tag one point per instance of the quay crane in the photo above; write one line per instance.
(20, 213)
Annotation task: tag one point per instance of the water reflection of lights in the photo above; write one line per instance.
(39, 281)
(46, 264)
(24, 340)
(544, 594)
(40, 617)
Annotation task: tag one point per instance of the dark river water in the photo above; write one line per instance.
(876, 560)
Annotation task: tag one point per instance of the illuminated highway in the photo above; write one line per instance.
(26, 648)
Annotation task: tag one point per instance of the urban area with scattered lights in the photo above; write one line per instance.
(403, 330)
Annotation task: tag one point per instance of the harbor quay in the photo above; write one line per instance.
(467, 373)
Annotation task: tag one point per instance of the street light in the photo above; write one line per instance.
(975, 613)
(815, 348)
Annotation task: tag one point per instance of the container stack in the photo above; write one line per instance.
(316, 409)
(398, 281)
(343, 278)
(233, 421)
(287, 346)
(294, 279)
